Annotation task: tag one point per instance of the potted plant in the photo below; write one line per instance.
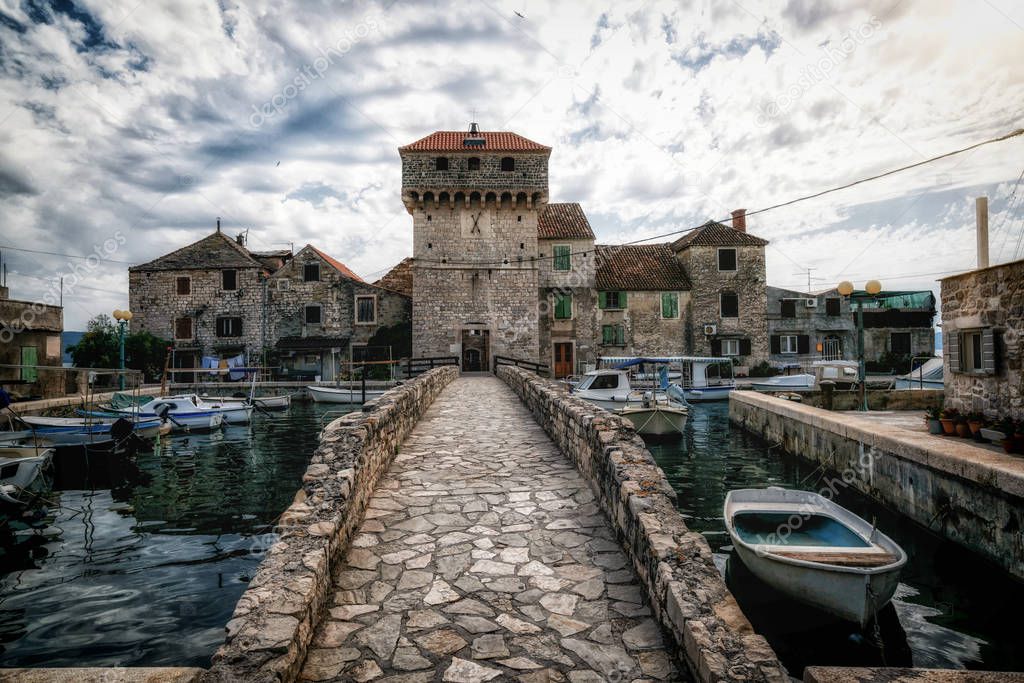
(947, 418)
(932, 419)
(962, 428)
(1005, 428)
(975, 421)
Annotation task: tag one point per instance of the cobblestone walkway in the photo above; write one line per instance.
(484, 557)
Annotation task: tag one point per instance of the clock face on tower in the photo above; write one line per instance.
(477, 223)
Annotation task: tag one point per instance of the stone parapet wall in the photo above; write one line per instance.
(274, 620)
(970, 495)
(685, 590)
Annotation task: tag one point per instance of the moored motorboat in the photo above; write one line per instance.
(702, 378)
(145, 428)
(233, 412)
(322, 394)
(814, 551)
(279, 402)
(656, 418)
(20, 466)
(183, 414)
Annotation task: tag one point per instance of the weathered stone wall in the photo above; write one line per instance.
(878, 341)
(580, 330)
(970, 495)
(646, 333)
(685, 590)
(273, 622)
(880, 399)
(419, 172)
(748, 281)
(37, 325)
(815, 322)
(155, 304)
(990, 298)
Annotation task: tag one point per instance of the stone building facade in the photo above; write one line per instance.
(498, 270)
(30, 337)
(215, 298)
(983, 340)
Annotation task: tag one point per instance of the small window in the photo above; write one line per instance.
(726, 259)
(730, 305)
(229, 280)
(833, 307)
(605, 382)
(314, 315)
(283, 284)
(563, 257)
(900, 343)
(229, 327)
(788, 308)
(508, 164)
(613, 335)
(611, 300)
(730, 347)
(971, 345)
(441, 163)
(789, 344)
(183, 328)
(311, 272)
(474, 163)
(183, 286)
(366, 310)
(669, 305)
(563, 306)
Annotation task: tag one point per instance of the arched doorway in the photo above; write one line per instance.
(475, 350)
(471, 360)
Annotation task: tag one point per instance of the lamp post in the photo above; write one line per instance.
(122, 318)
(872, 287)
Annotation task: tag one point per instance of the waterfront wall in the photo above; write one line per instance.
(684, 588)
(275, 618)
(916, 399)
(972, 496)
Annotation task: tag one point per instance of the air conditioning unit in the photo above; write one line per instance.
(811, 303)
(710, 330)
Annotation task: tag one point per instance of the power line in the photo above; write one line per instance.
(1006, 214)
(54, 253)
(790, 202)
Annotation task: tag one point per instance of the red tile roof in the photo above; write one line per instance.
(337, 265)
(564, 221)
(494, 141)
(399, 278)
(640, 267)
(714, 234)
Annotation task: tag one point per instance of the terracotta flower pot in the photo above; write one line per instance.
(948, 426)
(975, 426)
(963, 430)
(1008, 445)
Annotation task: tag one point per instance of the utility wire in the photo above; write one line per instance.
(1006, 214)
(790, 202)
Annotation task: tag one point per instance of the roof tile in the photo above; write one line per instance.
(337, 265)
(640, 267)
(494, 141)
(564, 221)
(216, 250)
(714, 234)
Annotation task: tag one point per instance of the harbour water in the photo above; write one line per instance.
(139, 560)
(952, 609)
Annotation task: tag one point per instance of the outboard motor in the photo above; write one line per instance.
(163, 411)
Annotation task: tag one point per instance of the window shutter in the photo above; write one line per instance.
(622, 299)
(744, 347)
(952, 345)
(620, 334)
(803, 343)
(988, 351)
(776, 344)
(716, 347)
(602, 300)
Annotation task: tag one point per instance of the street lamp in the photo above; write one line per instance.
(122, 318)
(872, 287)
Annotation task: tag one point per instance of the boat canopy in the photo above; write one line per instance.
(123, 401)
(621, 362)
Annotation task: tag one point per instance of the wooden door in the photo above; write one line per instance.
(563, 359)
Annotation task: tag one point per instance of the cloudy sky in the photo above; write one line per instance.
(141, 122)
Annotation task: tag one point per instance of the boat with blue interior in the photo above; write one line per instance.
(702, 378)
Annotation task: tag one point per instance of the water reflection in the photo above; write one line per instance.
(952, 609)
(140, 560)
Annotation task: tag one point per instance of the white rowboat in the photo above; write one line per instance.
(659, 419)
(814, 551)
(342, 394)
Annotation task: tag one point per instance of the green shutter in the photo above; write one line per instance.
(622, 299)
(620, 334)
(563, 257)
(563, 307)
(669, 305)
(606, 334)
(602, 300)
(29, 357)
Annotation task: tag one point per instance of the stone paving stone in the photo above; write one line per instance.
(483, 556)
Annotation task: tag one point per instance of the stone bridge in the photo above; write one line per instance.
(445, 533)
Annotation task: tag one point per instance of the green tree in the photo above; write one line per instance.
(98, 348)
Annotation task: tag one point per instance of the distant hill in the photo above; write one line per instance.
(938, 342)
(69, 339)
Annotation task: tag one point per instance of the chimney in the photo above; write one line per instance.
(981, 216)
(474, 129)
(739, 220)
(240, 239)
(218, 223)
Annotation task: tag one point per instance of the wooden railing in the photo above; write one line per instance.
(538, 368)
(417, 366)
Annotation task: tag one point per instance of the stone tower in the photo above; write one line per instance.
(475, 198)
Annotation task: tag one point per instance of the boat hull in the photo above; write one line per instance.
(788, 383)
(656, 421)
(707, 394)
(19, 470)
(348, 396)
(204, 420)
